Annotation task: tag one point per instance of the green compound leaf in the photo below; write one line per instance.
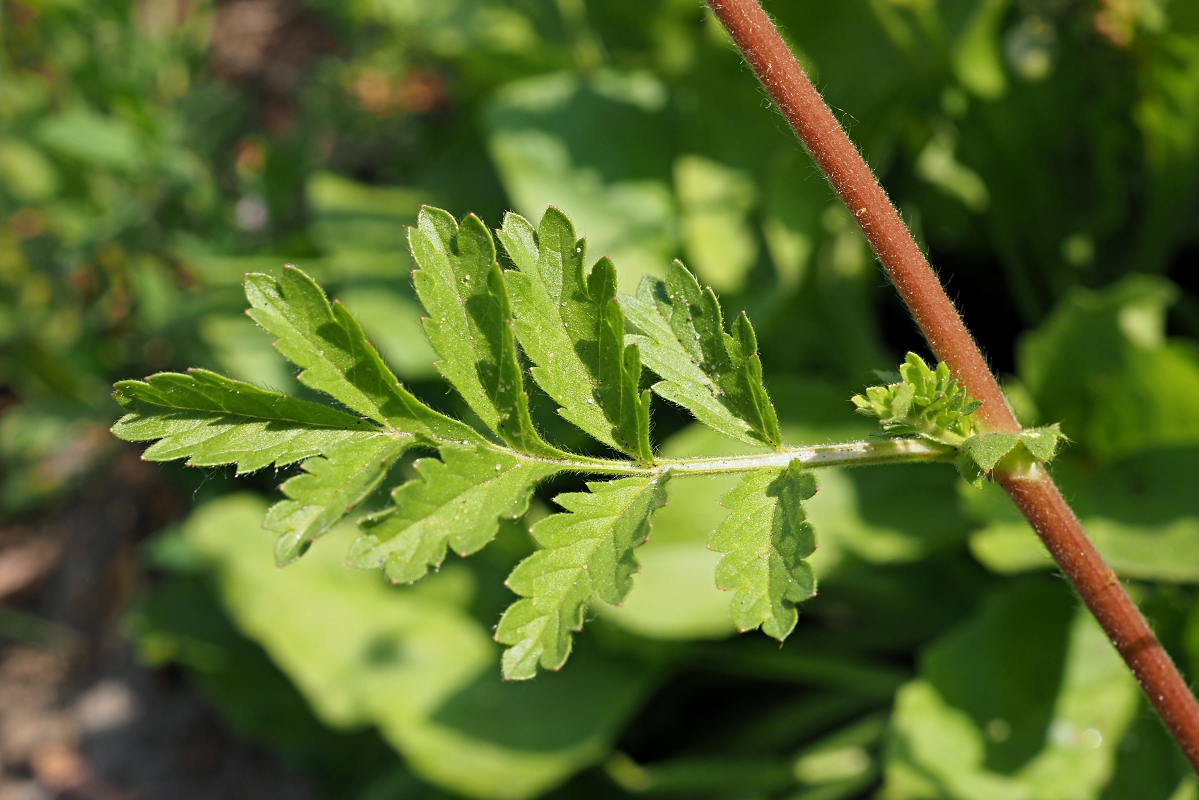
(683, 382)
(925, 402)
(456, 502)
(469, 322)
(328, 344)
(722, 386)
(765, 539)
(329, 489)
(212, 420)
(572, 328)
(588, 553)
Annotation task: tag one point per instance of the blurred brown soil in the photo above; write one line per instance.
(79, 717)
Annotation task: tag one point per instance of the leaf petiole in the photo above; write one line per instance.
(845, 454)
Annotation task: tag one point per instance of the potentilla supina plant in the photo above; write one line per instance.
(588, 349)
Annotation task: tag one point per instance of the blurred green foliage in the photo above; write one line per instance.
(1045, 152)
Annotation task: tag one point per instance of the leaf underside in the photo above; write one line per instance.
(765, 539)
(587, 552)
(986, 450)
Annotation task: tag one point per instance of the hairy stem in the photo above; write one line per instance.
(1033, 490)
(847, 454)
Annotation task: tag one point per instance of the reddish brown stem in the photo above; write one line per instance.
(1032, 490)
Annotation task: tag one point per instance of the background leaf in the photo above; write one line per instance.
(1041, 152)
(961, 730)
(1103, 367)
(1137, 510)
(346, 641)
(593, 147)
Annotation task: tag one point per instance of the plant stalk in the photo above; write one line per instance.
(1033, 490)
(845, 454)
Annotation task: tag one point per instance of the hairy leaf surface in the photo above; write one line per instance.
(330, 488)
(588, 552)
(328, 344)
(456, 502)
(730, 363)
(765, 539)
(212, 420)
(469, 322)
(683, 381)
(572, 328)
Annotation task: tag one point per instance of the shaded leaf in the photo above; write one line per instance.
(682, 381)
(730, 363)
(1140, 511)
(1102, 364)
(596, 146)
(411, 661)
(715, 203)
(1029, 699)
